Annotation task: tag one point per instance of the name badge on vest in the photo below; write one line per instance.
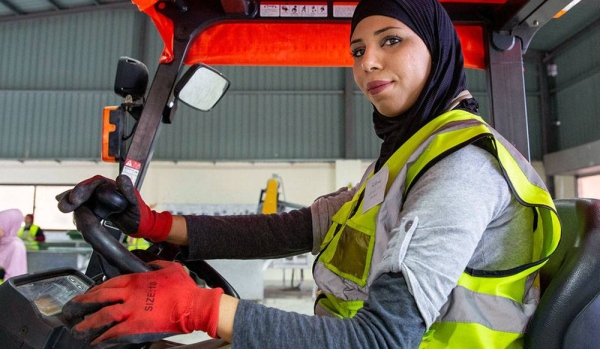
(375, 189)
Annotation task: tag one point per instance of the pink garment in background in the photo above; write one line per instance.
(13, 256)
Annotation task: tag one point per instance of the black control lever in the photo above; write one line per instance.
(114, 253)
(109, 201)
(92, 222)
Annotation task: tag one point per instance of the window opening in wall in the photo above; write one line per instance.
(17, 196)
(39, 200)
(588, 187)
(46, 212)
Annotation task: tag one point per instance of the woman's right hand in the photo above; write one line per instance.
(137, 220)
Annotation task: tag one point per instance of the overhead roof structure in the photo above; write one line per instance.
(511, 14)
(11, 10)
(286, 32)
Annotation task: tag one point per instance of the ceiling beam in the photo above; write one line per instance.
(571, 40)
(56, 5)
(12, 7)
(69, 11)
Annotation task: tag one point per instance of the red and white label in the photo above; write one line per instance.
(133, 164)
(132, 169)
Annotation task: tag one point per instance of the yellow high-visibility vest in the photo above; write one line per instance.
(347, 249)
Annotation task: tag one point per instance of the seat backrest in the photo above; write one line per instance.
(568, 315)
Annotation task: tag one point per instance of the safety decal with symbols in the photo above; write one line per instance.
(284, 9)
(132, 169)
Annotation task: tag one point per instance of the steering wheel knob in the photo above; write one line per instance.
(109, 201)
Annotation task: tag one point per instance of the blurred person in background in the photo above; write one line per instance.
(13, 255)
(31, 233)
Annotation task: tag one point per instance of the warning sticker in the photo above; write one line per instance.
(304, 10)
(133, 164)
(269, 10)
(132, 169)
(291, 9)
(343, 9)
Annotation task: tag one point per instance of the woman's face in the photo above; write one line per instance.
(391, 63)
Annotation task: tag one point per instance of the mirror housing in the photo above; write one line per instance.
(201, 87)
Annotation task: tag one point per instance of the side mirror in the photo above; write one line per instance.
(201, 87)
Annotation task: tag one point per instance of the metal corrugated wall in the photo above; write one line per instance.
(258, 126)
(366, 142)
(577, 91)
(477, 85)
(268, 113)
(77, 52)
(57, 74)
(51, 124)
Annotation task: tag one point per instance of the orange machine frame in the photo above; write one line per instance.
(293, 43)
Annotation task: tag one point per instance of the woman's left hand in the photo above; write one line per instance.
(144, 307)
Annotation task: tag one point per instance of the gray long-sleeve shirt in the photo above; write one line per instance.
(467, 217)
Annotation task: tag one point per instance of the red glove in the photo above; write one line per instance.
(144, 307)
(138, 220)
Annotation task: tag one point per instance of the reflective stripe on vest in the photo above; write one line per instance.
(483, 300)
(137, 244)
(29, 240)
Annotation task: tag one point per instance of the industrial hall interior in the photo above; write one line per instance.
(299, 173)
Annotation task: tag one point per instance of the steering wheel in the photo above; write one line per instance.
(88, 220)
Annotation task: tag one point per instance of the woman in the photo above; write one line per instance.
(13, 256)
(437, 245)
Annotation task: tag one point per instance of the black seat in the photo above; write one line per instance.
(568, 315)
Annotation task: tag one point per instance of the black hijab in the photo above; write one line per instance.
(430, 21)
